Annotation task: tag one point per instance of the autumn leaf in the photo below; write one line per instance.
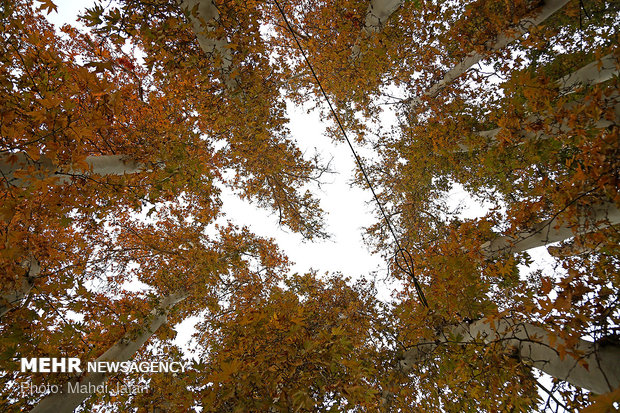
(47, 5)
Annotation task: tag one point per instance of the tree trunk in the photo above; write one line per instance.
(379, 12)
(597, 367)
(204, 16)
(549, 231)
(598, 71)
(23, 286)
(573, 247)
(588, 75)
(548, 9)
(122, 350)
(44, 168)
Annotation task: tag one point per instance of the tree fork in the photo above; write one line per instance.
(379, 12)
(122, 350)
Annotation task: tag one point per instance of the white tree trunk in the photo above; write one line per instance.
(549, 231)
(594, 73)
(534, 346)
(548, 9)
(23, 285)
(379, 12)
(588, 75)
(44, 168)
(205, 16)
(122, 350)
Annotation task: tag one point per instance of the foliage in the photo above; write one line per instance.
(269, 340)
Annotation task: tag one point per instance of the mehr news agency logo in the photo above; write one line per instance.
(74, 365)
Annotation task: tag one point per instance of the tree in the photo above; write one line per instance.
(550, 172)
(591, 366)
(540, 176)
(122, 350)
(216, 74)
(118, 86)
(75, 110)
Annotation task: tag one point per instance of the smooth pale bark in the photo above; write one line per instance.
(379, 12)
(534, 346)
(551, 230)
(572, 248)
(589, 75)
(205, 16)
(598, 71)
(23, 286)
(556, 129)
(122, 350)
(111, 165)
(543, 13)
(10, 164)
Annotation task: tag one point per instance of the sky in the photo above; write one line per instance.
(349, 209)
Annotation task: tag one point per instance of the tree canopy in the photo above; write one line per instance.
(117, 142)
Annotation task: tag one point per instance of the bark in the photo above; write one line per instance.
(589, 365)
(122, 350)
(598, 71)
(379, 12)
(555, 129)
(204, 16)
(551, 230)
(543, 13)
(573, 247)
(23, 286)
(111, 165)
(165, 407)
(589, 75)
(12, 164)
